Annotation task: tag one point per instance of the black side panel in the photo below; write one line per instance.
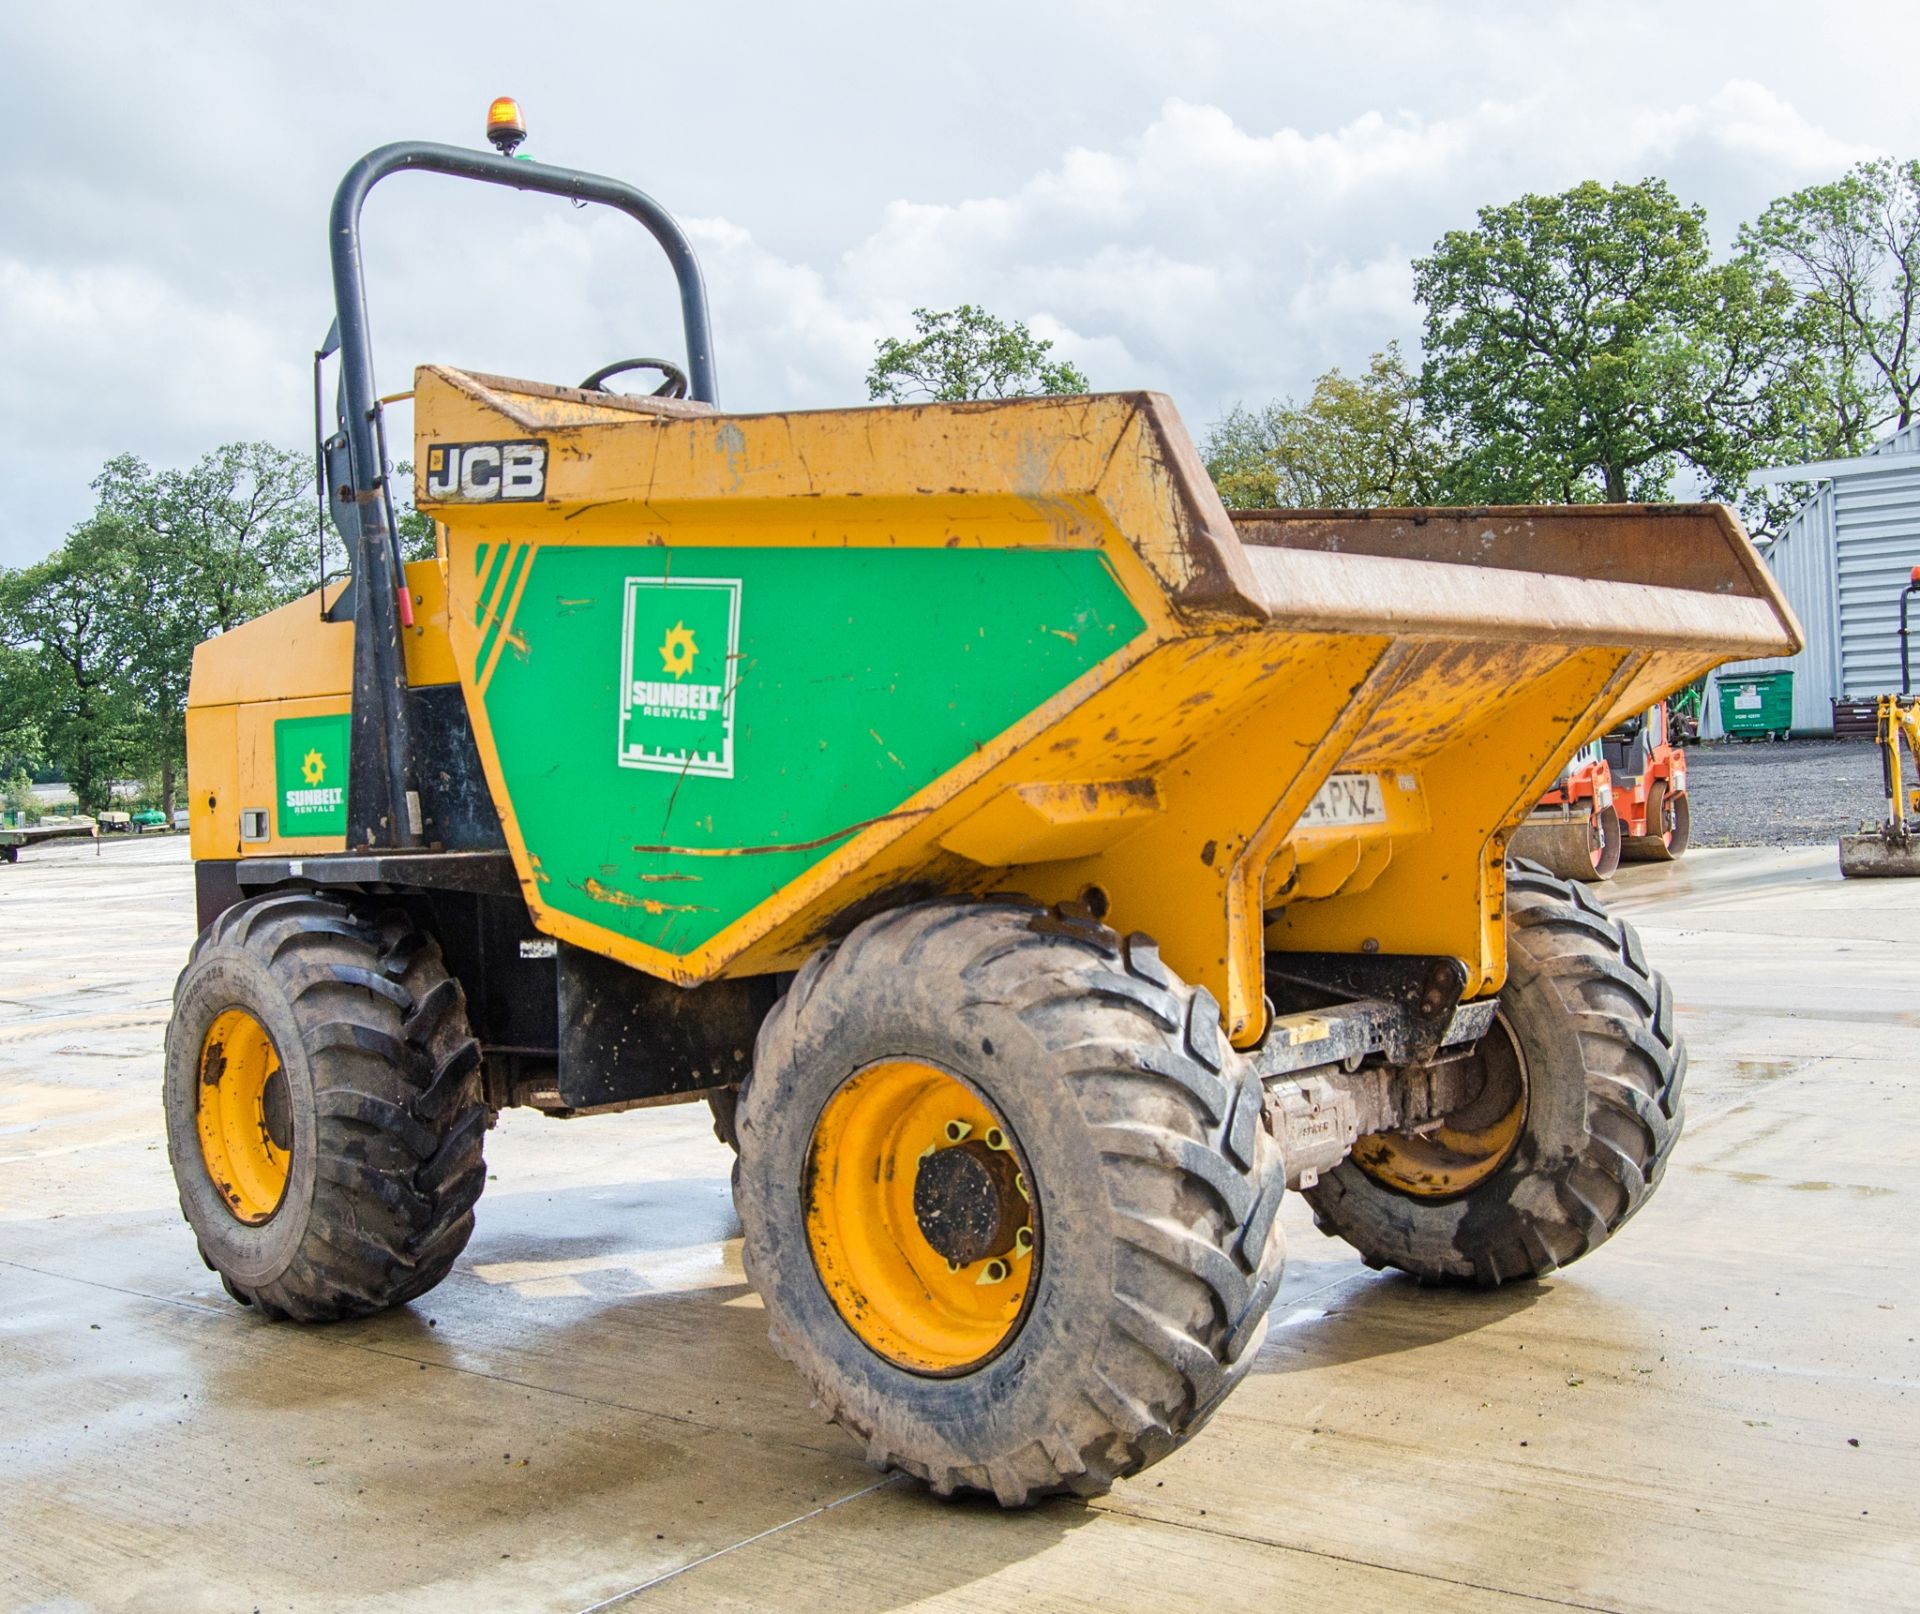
(216, 888)
(510, 989)
(455, 806)
(625, 1035)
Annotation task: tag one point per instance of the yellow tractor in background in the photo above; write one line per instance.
(1890, 848)
(1038, 867)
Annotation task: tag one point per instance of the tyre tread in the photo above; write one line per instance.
(397, 1101)
(1633, 1067)
(1144, 1057)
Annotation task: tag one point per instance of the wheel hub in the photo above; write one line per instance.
(967, 1201)
(1462, 1149)
(919, 1218)
(244, 1116)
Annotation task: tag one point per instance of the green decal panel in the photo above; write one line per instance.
(310, 775)
(684, 732)
(680, 649)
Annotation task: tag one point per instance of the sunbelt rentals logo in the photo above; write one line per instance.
(679, 655)
(310, 770)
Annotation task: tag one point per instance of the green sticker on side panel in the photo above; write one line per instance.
(680, 650)
(310, 775)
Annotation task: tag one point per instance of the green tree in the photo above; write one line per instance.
(415, 527)
(1851, 251)
(235, 529)
(23, 741)
(17, 797)
(64, 619)
(1357, 441)
(964, 353)
(1585, 347)
(213, 546)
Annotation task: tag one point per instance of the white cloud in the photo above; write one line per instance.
(176, 375)
(1220, 209)
(1217, 262)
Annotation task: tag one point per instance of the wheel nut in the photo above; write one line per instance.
(995, 1271)
(956, 1130)
(1023, 1241)
(996, 1139)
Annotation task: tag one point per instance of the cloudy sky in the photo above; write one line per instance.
(1219, 200)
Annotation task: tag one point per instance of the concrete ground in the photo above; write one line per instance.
(1719, 1411)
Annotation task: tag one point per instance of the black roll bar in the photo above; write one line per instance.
(381, 809)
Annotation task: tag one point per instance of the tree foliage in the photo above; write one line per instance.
(216, 544)
(964, 353)
(1851, 251)
(100, 636)
(1357, 441)
(65, 621)
(228, 537)
(1585, 347)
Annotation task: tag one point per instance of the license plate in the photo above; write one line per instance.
(1346, 798)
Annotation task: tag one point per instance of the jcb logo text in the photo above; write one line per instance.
(476, 473)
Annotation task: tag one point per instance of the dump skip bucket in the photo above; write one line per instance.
(738, 680)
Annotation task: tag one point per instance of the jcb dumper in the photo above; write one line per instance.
(1038, 867)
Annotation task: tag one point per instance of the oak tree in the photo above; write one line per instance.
(1586, 346)
(964, 353)
(1357, 441)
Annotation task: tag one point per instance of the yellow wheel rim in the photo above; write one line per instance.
(920, 1217)
(1470, 1145)
(245, 1119)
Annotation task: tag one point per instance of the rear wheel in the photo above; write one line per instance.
(1576, 1116)
(1669, 826)
(1036, 1232)
(324, 1118)
(1603, 846)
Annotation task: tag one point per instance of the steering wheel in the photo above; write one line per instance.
(675, 385)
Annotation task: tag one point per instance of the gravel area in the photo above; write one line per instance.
(1794, 793)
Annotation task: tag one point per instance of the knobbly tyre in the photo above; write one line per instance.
(1038, 867)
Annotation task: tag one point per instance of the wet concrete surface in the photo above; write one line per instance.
(1719, 1410)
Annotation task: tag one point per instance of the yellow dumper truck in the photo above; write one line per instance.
(1039, 868)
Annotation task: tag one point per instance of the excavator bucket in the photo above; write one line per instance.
(1893, 849)
(1875, 854)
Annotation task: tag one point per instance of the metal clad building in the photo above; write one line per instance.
(1842, 563)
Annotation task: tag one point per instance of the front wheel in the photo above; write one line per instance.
(1010, 1199)
(1576, 1115)
(1669, 826)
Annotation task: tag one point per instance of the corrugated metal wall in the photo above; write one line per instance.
(1841, 563)
(1878, 526)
